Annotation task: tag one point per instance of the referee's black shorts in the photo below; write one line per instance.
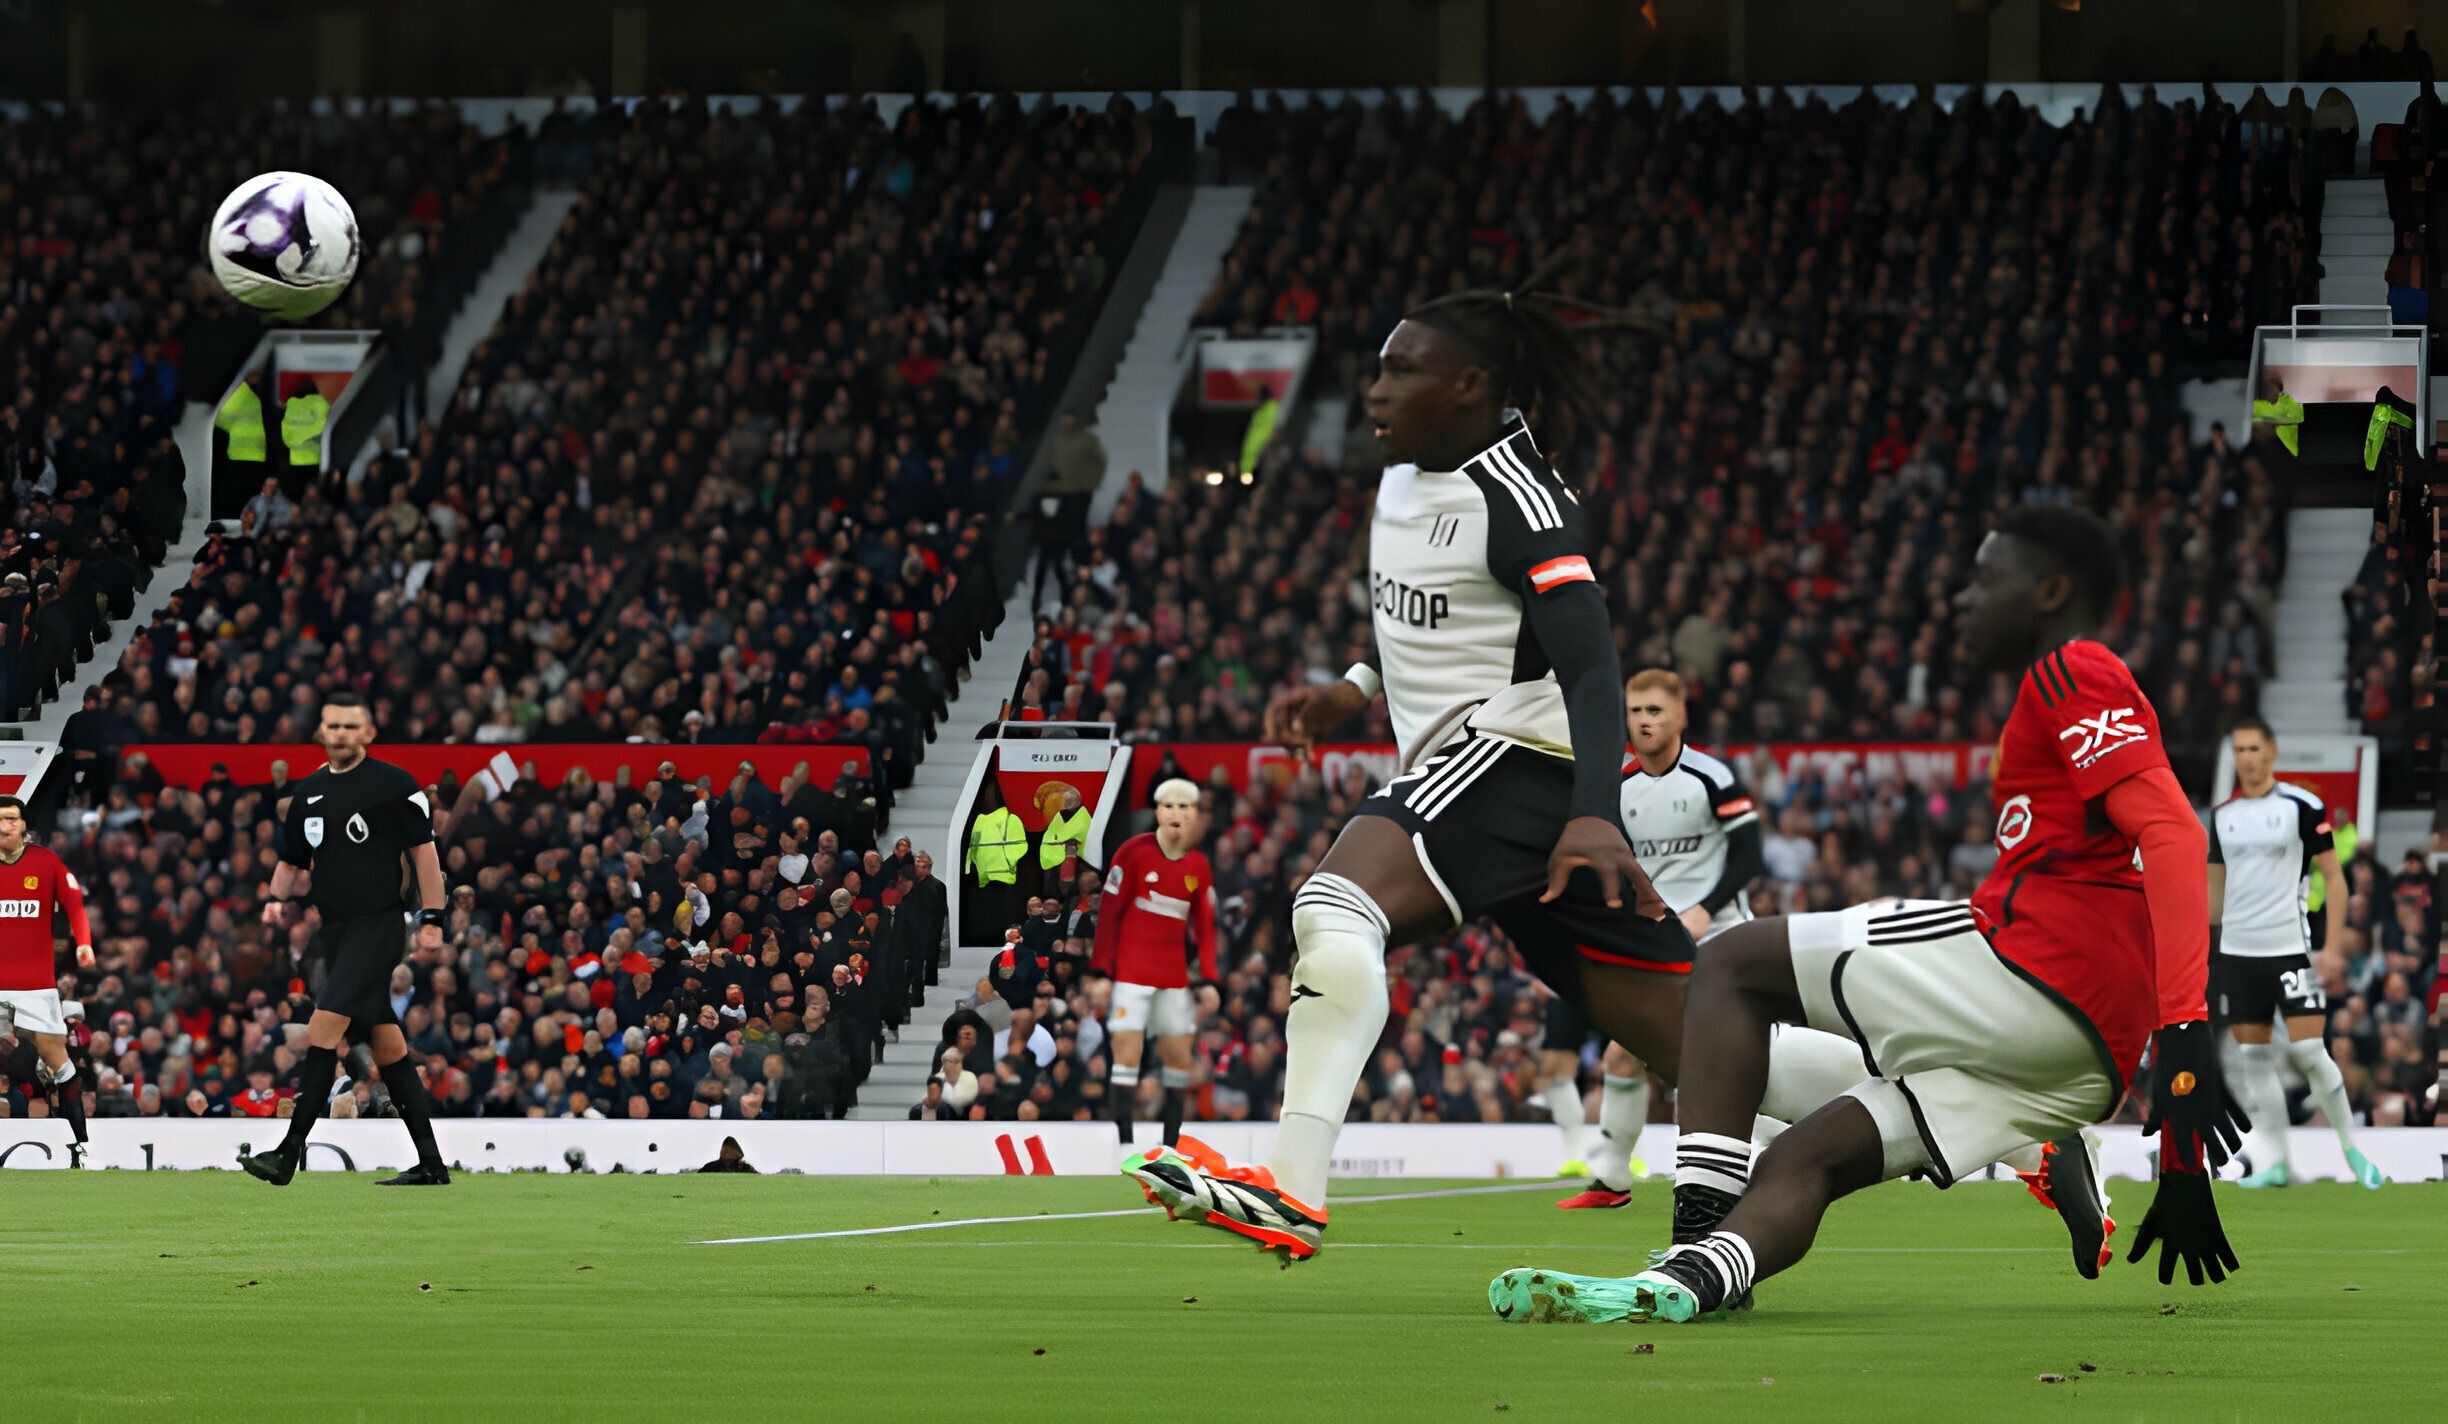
(362, 951)
(1484, 814)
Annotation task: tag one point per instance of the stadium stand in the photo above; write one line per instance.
(672, 500)
(109, 308)
(1786, 512)
(1843, 443)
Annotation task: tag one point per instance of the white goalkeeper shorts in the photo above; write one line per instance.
(32, 1010)
(1971, 1060)
(1144, 1008)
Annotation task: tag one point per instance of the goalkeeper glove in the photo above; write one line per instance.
(2183, 1221)
(2189, 1105)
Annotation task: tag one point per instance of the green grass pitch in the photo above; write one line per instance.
(205, 1296)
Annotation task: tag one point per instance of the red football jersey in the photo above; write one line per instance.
(29, 889)
(2064, 902)
(1151, 902)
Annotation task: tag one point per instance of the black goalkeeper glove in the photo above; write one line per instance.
(2189, 1105)
(2183, 1220)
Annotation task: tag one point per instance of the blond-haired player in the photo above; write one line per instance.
(1159, 899)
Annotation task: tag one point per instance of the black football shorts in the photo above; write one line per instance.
(1484, 814)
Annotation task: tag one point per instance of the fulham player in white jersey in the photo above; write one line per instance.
(2265, 845)
(1698, 836)
(1495, 653)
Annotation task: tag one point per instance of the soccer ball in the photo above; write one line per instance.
(284, 243)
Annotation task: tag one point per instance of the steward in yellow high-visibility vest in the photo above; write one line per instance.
(1066, 834)
(302, 421)
(997, 841)
(241, 416)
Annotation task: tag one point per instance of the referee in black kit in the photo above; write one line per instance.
(355, 832)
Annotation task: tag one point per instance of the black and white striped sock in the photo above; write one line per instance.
(1717, 1268)
(1706, 1159)
(1711, 1172)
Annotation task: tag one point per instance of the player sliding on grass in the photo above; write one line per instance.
(1991, 1026)
(1497, 661)
(32, 882)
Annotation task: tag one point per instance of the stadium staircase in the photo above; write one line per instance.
(512, 268)
(931, 813)
(2326, 546)
(1134, 420)
(522, 252)
(2307, 695)
(2356, 238)
(194, 435)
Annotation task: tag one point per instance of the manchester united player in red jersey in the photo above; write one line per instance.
(1159, 895)
(1991, 1026)
(33, 882)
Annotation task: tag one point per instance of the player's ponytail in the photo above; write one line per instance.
(1527, 339)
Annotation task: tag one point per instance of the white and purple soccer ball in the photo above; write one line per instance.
(284, 243)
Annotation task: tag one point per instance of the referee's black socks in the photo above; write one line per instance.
(415, 1109)
(314, 1090)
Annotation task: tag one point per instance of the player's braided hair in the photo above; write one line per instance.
(1519, 335)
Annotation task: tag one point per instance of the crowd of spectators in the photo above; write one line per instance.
(1889, 323)
(2392, 615)
(1467, 1019)
(613, 949)
(714, 442)
(724, 473)
(2385, 989)
(102, 286)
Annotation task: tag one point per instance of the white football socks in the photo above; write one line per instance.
(1339, 1007)
(2263, 1093)
(1623, 1110)
(2312, 1059)
(1564, 1105)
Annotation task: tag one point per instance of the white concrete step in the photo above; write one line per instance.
(2356, 244)
(1135, 417)
(930, 813)
(2335, 224)
(2302, 701)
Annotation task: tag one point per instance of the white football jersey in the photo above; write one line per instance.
(1449, 556)
(2267, 843)
(1678, 824)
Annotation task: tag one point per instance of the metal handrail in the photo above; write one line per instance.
(2296, 324)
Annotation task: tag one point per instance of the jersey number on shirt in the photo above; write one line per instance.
(2303, 984)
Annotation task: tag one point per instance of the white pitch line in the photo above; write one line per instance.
(1094, 1215)
(1583, 1246)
